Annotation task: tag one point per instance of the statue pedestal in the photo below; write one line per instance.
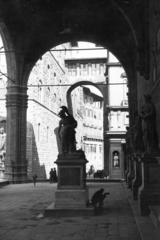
(71, 196)
(148, 193)
(137, 181)
(130, 175)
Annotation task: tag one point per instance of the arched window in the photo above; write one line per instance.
(40, 92)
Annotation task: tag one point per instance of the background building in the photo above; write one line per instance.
(117, 110)
(88, 62)
(84, 66)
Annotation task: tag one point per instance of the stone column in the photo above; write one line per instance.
(149, 192)
(127, 168)
(130, 175)
(137, 181)
(15, 164)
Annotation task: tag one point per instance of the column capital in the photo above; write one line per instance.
(16, 100)
(17, 89)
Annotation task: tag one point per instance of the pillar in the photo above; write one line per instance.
(137, 181)
(130, 175)
(127, 167)
(148, 193)
(16, 164)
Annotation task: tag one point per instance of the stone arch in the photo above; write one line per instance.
(10, 55)
(34, 46)
(80, 34)
(135, 34)
(76, 84)
(102, 89)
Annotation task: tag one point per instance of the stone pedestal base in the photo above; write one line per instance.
(149, 192)
(71, 196)
(51, 211)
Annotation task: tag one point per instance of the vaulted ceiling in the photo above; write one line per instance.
(35, 26)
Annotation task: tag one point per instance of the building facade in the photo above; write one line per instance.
(117, 110)
(93, 129)
(91, 63)
(45, 97)
(86, 67)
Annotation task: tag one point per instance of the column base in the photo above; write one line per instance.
(51, 211)
(16, 173)
(146, 199)
(71, 198)
(148, 193)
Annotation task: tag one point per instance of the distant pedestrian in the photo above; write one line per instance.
(55, 175)
(51, 173)
(34, 178)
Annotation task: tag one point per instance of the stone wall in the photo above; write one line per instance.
(152, 85)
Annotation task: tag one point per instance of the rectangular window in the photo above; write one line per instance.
(84, 111)
(91, 113)
(90, 100)
(72, 70)
(83, 69)
(88, 113)
(100, 148)
(85, 100)
(95, 69)
(95, 148)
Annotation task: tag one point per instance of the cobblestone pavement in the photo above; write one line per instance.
(22, 208)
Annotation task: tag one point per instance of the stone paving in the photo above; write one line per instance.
(22, 208)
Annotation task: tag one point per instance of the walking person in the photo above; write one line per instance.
(34, 178)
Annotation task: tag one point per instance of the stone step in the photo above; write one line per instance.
(155, 215)
(3, 182)
(51, 211)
